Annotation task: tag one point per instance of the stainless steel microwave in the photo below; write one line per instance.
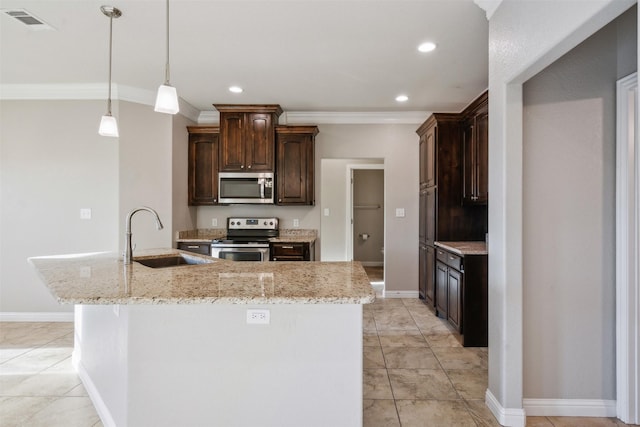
(245, 187)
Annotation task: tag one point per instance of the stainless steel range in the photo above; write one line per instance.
(247, 239)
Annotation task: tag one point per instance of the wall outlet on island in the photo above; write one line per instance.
(214, 222)
(258, 316)
(296, 222)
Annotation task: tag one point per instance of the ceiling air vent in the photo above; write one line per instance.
(27, 18)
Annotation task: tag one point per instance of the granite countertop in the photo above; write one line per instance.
(206, 235)
(102, 278)
(464, 248)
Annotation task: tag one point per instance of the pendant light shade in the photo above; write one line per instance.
(108, 124)
(167, 99)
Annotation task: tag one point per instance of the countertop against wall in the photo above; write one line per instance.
(287, 235)
(464, 248)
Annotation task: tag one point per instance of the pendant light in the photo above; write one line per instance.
(108, 124)
(167, 99)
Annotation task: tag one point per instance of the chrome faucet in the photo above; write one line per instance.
(128, 251)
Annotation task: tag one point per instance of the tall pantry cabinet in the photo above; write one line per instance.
(444, 214)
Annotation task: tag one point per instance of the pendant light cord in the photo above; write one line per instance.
(110, 56)
(166, 69)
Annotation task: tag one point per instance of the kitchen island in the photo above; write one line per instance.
(179, 346)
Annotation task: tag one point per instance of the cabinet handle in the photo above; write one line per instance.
(215, 200)
(286, 247)
(249, 167)
(440, 253)
(279, 200)
(241, 166)
(193, 247)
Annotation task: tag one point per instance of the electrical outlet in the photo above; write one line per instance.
(214, 222)
(296, 222)
(258, 316)
(85, 213)
(399, 212)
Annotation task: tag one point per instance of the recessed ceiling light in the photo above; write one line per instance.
(402, 98)
(427, 47)
(235, 89)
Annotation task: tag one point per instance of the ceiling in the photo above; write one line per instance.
(306, 55)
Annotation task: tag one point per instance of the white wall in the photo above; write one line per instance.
(52, 163)
(524, 38)
(569, 218)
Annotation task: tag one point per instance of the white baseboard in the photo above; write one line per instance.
(92, 391)
(512, 417)
(23, 316)
(570, 407)
(401, 294)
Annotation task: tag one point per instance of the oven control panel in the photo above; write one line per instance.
(252, 223)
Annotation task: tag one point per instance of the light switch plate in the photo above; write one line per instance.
(399, 212)
(296, 222)
(214, 222)
(326, 212)
(85, 213)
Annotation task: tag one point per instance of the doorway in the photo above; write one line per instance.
(366, 220)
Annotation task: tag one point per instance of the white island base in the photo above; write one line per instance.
(203, 365)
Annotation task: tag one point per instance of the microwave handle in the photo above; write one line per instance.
(262, 184)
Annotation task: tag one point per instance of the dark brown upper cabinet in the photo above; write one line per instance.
(247, 137)
(203, 165)
(295, 146)
(427, 156)
(476, 152)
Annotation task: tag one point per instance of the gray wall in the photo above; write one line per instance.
(52, 164)
(368, 192)
(569, 217)
(397, 147)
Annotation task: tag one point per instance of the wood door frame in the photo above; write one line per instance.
(627, 250)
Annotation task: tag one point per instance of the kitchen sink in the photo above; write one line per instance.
(172, 260)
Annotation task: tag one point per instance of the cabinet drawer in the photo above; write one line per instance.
(200, 248)
(452, 260)
(289, 252)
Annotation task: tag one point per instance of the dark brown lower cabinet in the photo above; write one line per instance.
(426, 274)
(462, 295)
(292, 251)
(199, 248)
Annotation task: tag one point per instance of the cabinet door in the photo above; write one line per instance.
(430, 271)
(482, 157)
(422, 272)
(290, 252)
(422, 217)
(454, 303)
(476, 159)
(442, 292)
(259, 136)
(295, 169)
(232, 143)
(430, 216)
(469, 162)
(430, 156)
(203, 169)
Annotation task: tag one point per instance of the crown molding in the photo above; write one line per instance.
(88, 91)
(94, 91)
(489, 6)
(332, 117)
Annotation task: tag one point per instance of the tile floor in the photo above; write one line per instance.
(415, 374)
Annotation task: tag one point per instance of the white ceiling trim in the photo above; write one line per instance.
(88, 91)
(489, 6)
(93, 91)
